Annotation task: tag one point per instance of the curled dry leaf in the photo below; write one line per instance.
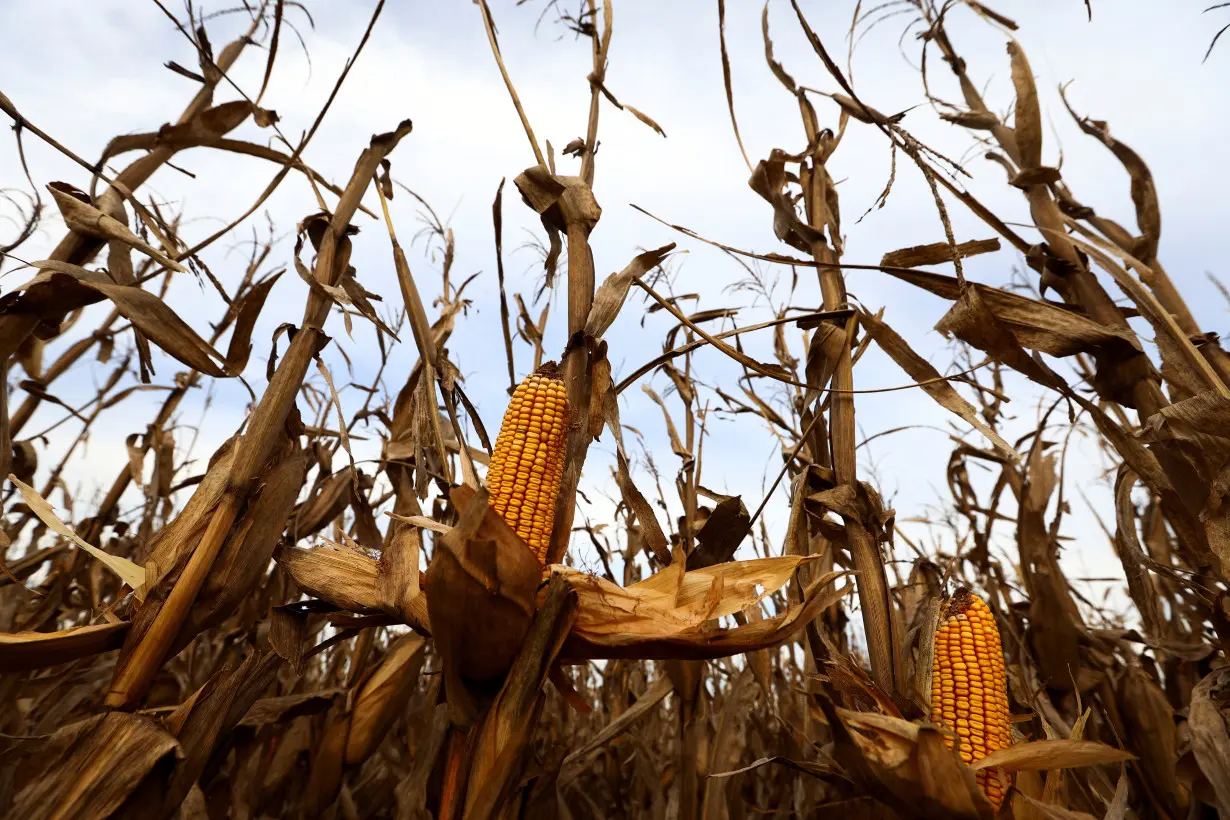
(1027, 124)
(208, 126)
(907, 765)
(654, 640)
(422, 522)
(1036, 325)
(1144, 192)
(614, 290)
(247, 310)
(674, 600)
(84, 218)
(341, 576)
(721, 534)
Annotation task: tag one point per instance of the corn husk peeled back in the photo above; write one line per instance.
(480, 588)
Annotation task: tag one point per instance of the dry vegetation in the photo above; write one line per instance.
(289, 633)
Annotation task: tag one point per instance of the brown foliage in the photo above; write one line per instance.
(374, 641)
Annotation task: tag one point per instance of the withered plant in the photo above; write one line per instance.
(288, 630)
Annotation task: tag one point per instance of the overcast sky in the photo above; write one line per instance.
(85, 72)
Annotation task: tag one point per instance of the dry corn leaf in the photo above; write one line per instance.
(327, 503)
(349, 580)
(129, 573)
(1050, 811)
(649, 699)
(398, 578)
(326, 767)
(149, 314)
(673, 600)
(862, 112)
(613, 291)
(21, 651)
(288, 707)
(208, 126)
(1199, 418)
(889, 741)
(904, 764)
(289, 631)
(92, 767)
(655, 539)
(936, 253)
(383, 697)
(1034, 324)
(932, 383)
(600, 385)
(247, 310)
(1132, 556)
(82, 217)
(1178, 351)
(422, 522)
(1208, 721)
(201, 722)
(977, 120)
(652, 641)
(1151, 731)
(1027, 123)
(719, 537)
(1118, 808)
(769, 181)
(1144, 192)
(341, 576)
(1039, 755)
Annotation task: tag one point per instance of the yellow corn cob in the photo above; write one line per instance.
(968, 689)
(528, 461)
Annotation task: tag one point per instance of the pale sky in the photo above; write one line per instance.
(85, 72)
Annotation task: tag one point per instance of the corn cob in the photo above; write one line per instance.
(968, 691)
(528, 461)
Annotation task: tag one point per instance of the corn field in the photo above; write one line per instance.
(366, 603)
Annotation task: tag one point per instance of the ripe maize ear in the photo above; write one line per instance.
(528, 463)
(969, 694)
